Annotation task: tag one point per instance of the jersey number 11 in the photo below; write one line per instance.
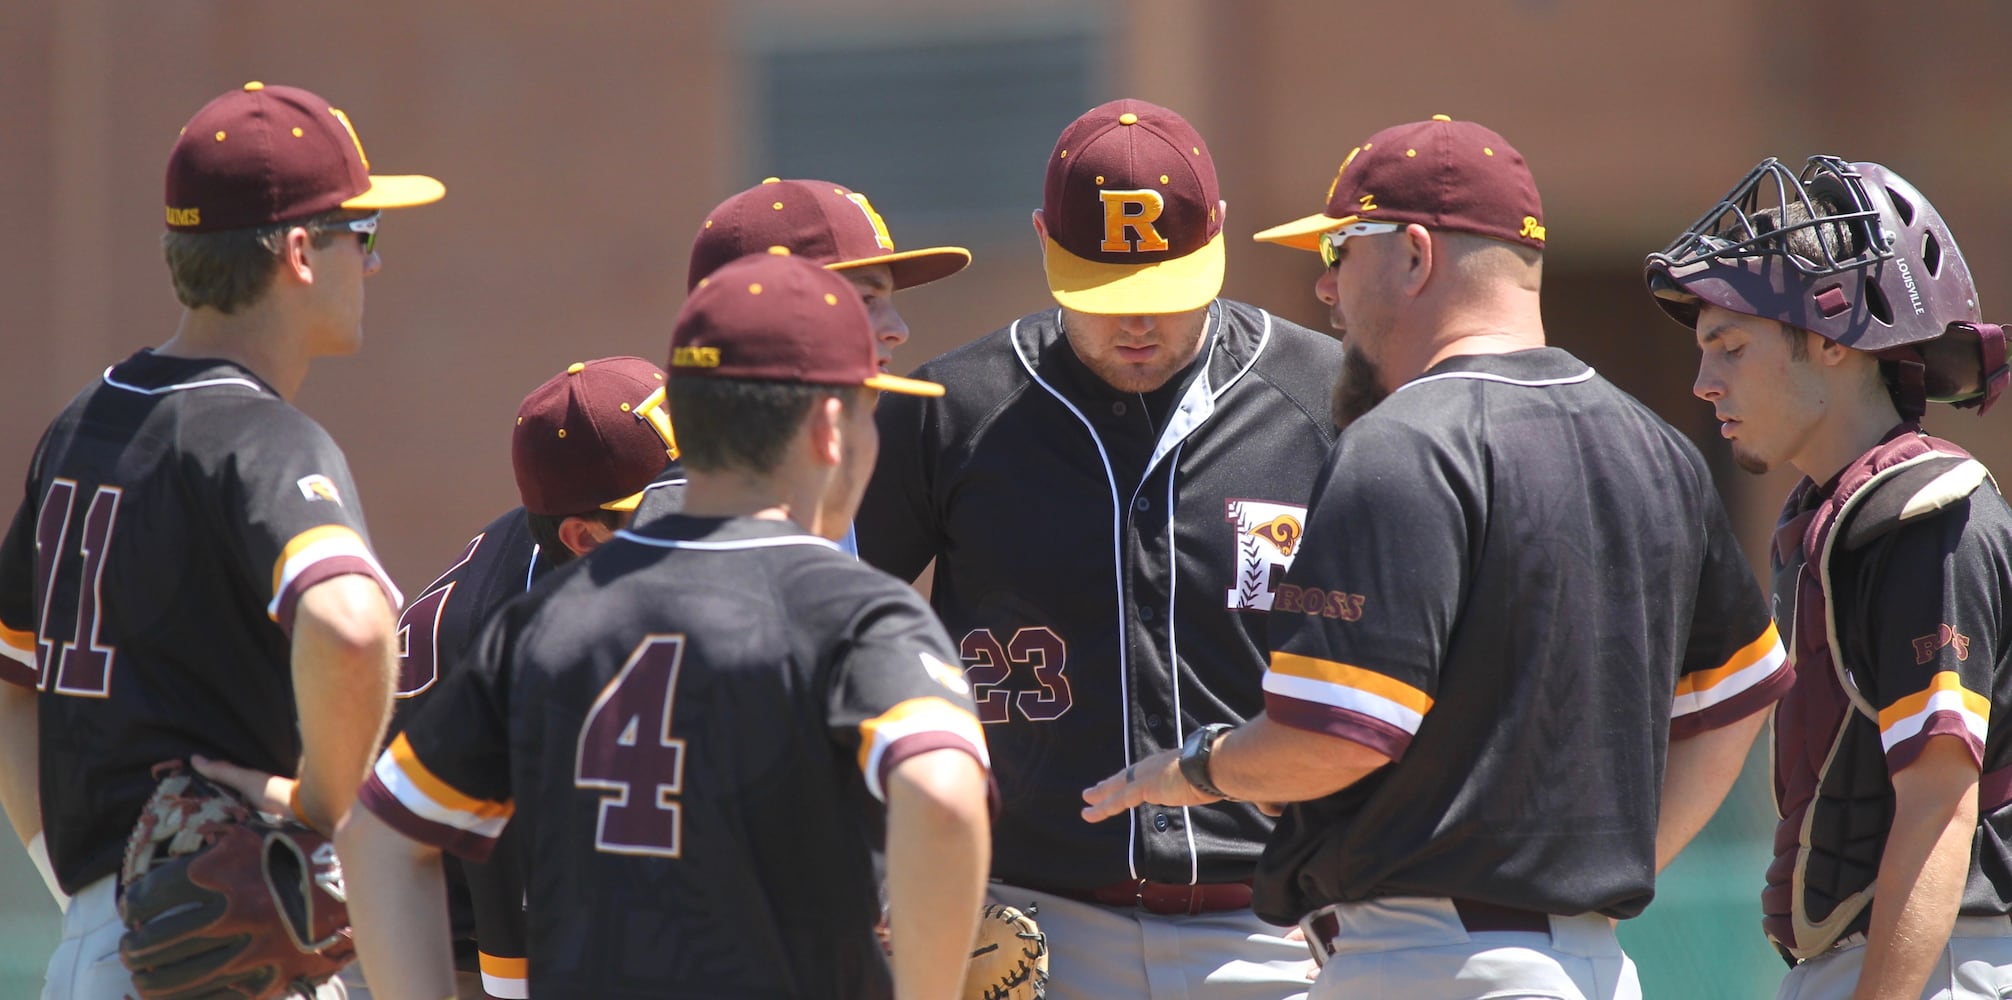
(71, 652)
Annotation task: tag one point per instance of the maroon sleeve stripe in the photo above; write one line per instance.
(1737, 707)
(1939, 724)
(327, 569)
(1356, 727)
(385, 806)
(921, 743)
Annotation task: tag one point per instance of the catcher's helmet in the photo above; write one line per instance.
(1852, 253)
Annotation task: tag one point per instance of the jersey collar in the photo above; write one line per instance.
(683, 530)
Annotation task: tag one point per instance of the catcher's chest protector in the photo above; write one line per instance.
(1831, 783)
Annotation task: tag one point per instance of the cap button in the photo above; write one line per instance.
(576, 368)
(771, 180)
(254, 85)
(1128, 118)
(1441, 118)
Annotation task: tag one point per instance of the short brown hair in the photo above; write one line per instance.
(231, 268)
(731, 423)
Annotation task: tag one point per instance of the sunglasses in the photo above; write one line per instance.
(1330, 242)
(364, 228)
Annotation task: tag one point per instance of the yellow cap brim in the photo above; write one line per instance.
(398, 191)
(1170, 286)
(627, 502)
(914, 267)
(905, 386)
(1304, 234)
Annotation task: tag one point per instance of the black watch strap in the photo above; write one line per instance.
(1195, 758)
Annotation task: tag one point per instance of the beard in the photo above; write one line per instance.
(1357, 389)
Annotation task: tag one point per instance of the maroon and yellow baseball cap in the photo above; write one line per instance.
(781, 318)
(824, 222)
(1132, 212)
(261, 155)
(1440, 174)
(592, 436)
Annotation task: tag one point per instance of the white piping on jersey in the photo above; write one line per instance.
(1117, 565)
(1535, 383)
(733, 546)
(207, 383)
(1196, 406)
(25, 657)
(531, 570)
(1174, 666)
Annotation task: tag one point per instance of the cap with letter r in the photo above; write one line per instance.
(1133, 213)
(262, 154)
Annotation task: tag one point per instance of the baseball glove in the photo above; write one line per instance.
(222, 901)
(1009, 960)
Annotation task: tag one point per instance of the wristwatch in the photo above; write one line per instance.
(1195, 758)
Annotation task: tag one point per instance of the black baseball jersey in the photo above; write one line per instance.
(1518, 582)
(1892, 579)
(1106, 562)
(1924, 624)
(175, 512)
(691, 725)
(486, 899)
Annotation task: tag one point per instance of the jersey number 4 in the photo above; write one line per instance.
(626, 747)
(73, 660)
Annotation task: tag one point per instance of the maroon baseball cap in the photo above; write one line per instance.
(825, 222)
(1440, 174)
(1132, 212)
(781, 318)
(592, 436)
(261, 155)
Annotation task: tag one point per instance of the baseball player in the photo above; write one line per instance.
(190, 562)
(560, 479)
(1517, 595)
(1830, 306)
(587, 446)
(701, 717)
(1111, 491)
(831, 225)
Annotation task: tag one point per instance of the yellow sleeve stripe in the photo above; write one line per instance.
(1768, 646)
(17, 646)
(1752, 665)
(24, 641)
(340, 535)
(914, 717)
(1945, 693)
(326, 541)
(430, 798)
(505, 978)
(1355, 678)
